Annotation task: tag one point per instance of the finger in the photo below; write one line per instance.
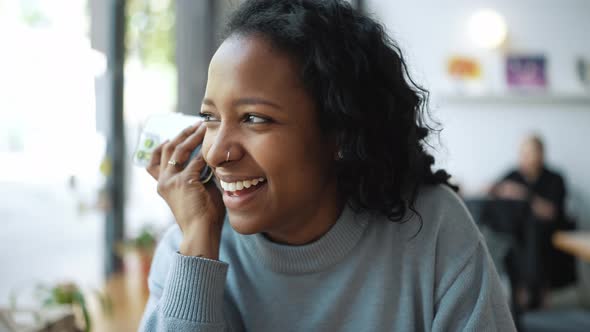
(183, 151)
(196, 165)
(194, 168)
(170, 146)
(153, 167)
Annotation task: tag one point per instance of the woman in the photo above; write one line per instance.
(335, 221)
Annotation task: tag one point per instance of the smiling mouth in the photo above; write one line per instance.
(243, 187)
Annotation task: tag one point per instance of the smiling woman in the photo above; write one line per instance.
(334, 220)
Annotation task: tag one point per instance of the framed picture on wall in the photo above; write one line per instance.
(526, 72)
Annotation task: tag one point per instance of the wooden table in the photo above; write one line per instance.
(128, 293)
(576, 243)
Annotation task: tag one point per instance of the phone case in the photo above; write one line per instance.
(159, 128)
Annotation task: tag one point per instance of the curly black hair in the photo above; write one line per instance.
(359, 80)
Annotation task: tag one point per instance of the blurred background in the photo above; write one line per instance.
(79, 78)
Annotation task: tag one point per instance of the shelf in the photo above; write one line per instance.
(550, 99)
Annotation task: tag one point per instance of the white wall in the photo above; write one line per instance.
(480, 140)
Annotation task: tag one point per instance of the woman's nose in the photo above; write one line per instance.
(224, 148)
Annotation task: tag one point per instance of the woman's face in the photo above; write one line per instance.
(257, 109)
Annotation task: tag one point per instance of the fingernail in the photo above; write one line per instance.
(191, 181)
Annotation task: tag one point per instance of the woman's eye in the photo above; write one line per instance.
(251, 118)
(207, 117)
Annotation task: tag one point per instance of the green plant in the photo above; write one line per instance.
(68, 293)
(150, 31)
(61, 294)
(146, 239)
(144, 243)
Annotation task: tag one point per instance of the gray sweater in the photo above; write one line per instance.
(365, 274)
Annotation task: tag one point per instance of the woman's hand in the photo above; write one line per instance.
(198, 208)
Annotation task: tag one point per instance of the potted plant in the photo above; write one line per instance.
(67, 294)
(140, 249)
(61, 307)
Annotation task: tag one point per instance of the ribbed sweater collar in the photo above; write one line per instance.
(318, 255)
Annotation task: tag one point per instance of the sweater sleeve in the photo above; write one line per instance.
(475, 299)
(186, 293)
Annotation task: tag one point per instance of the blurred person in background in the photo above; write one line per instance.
(534, 264)
(335, 219)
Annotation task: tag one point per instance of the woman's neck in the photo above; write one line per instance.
(313, 222)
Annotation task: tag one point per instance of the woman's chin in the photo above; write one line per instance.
(246, 225)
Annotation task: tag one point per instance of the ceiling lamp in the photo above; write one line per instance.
(487, 29)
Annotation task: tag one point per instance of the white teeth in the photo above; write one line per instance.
(239, 185)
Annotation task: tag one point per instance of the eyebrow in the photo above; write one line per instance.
(246, 101)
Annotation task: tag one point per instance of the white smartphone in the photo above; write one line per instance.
(160, 127)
